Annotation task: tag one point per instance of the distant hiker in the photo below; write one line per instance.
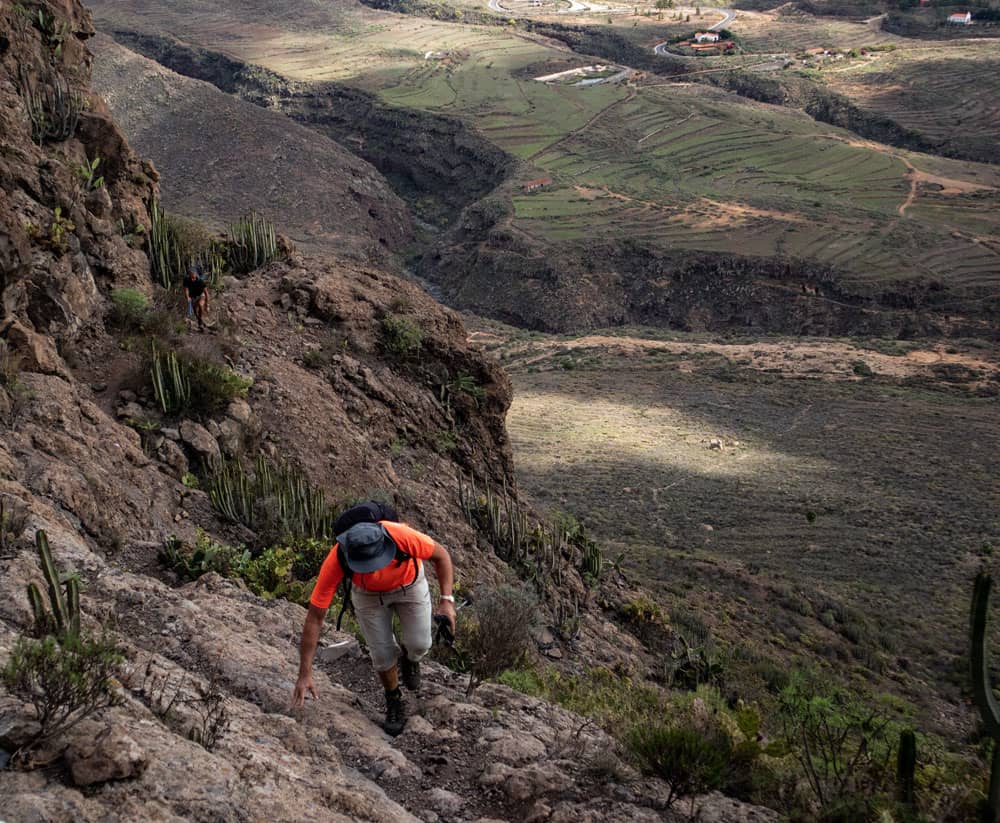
(196, 292)
(382, 562)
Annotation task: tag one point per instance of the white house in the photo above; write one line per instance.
(706, 37)
(961, 19)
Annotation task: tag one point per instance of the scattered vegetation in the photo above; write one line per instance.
(196, 710)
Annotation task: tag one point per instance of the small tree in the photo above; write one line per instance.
(68, 674)
(690, 760)
(497, 635)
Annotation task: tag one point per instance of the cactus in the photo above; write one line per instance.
(252, 243)
(989, 711)
(171, 384)
(906, 764)
(593, 561)
(64, 619)
(52, 106)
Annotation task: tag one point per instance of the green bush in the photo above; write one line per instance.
(64, 682)
(688, 759)
(270, 575)
(279, 571)
(401, 336)
(191, 562)
(129, 308)
(845, 748)
(185, 382)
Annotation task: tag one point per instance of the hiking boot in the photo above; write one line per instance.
(409, 672)
(395, 712)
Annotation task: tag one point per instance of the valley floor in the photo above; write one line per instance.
(799, 499)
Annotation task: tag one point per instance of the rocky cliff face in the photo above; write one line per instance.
(51, 272)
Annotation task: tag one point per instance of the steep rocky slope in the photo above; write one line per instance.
(308, 333)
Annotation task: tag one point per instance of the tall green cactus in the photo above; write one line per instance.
(64, 619)
(906, 765)
(989, 710)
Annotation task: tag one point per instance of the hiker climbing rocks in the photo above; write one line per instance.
(382, 562)
(196, 292)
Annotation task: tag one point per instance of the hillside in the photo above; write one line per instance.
(221, 156)
(195, 722)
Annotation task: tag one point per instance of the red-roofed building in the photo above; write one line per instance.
(706, 37)
(534, 185)
(963, 19)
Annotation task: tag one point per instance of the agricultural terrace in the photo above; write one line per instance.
(949, 92)
(679, 165)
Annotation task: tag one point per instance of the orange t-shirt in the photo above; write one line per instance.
(414, 543)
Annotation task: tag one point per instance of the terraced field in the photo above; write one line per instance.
(677, 165)
(700, 171)
(755, 482)
(949, 92)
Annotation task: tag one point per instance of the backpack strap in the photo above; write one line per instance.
(346, 585)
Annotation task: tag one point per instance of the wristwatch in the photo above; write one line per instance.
(449, 597)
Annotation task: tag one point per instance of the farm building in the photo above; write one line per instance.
(534, 185)
(706, 37)
(964, 19)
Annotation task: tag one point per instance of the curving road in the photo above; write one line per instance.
(728, 16)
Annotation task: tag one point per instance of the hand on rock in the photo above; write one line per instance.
(302, 685)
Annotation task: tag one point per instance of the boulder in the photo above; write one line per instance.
(230, 437)
(197, 438)
(444, 802)
(173, 455)
(517, 748)
(239, 410)
(112, 755)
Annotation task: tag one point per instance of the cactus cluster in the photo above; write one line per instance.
(982, 691)
(53, 107)
(171, 383)
(538, 551)
(174, 243)
(63, 621)
(277, 495)
(252, 243)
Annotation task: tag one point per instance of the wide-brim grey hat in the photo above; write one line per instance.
(367, 547)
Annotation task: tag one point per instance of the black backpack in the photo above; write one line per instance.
(370, 512)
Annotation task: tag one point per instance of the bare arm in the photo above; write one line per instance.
(446, 580)
(307, 650)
